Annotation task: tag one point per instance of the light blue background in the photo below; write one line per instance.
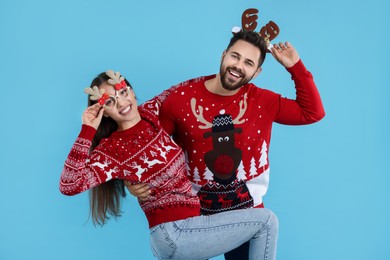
(329, 181)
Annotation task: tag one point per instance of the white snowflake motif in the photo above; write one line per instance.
(150, 132)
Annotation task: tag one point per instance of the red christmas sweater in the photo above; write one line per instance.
(226, 138)
(144, 153)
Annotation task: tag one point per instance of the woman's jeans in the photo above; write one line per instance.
(204, 237)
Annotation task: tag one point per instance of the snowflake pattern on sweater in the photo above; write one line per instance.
(143, 153)
(226, 138)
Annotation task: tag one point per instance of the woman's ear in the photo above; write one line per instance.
(132, 91)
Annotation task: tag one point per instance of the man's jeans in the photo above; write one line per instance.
(204, 237)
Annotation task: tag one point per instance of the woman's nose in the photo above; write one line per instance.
(120, 102)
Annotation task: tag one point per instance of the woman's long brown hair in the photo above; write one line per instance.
(105, 199)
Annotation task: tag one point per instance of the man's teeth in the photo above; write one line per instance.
(234, 74)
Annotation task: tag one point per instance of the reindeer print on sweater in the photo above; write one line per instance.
(142, 154)
(226, 138)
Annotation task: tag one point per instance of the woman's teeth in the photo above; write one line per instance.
(127, 109)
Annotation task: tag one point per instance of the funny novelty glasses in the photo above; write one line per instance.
(109, 101)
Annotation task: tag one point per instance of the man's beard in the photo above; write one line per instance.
(231, 86)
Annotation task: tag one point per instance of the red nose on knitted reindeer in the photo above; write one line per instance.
(224, 159)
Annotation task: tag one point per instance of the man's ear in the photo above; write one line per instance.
(223, 55)
(257, 72)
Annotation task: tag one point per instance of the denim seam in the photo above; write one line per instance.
(256, 223)
(267, 240)
(169, 240)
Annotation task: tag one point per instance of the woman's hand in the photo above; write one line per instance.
(92, 116)
(140, 190)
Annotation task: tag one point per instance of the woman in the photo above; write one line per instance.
(120, 142)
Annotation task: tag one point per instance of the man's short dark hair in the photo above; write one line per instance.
(252, 38)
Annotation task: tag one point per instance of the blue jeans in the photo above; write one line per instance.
(203, 237)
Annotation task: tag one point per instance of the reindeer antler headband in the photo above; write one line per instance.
(115, 79)
(249, 23)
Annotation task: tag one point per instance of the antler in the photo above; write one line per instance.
(249, 23)
(243, 106)
(269, 31)
(116, 78)
(199, 115)
(248, 19)
(94, 92)
(144, 157)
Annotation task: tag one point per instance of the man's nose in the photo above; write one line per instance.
(239, 64)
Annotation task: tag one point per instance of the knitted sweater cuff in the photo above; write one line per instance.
(297, 70)
(87, 132)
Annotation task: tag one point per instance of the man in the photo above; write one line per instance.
(223, 123)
